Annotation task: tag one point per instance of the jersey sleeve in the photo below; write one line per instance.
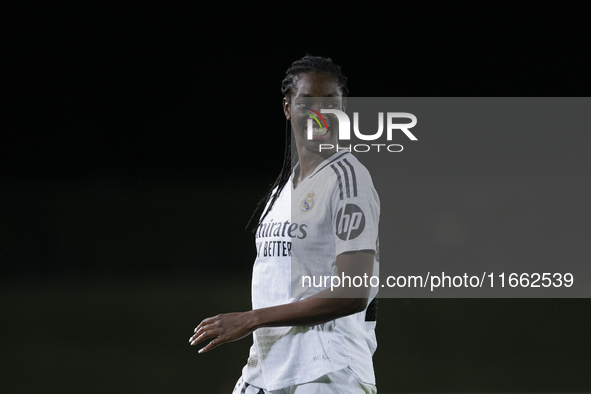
(355, 207)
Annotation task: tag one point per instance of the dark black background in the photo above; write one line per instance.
(137, 141)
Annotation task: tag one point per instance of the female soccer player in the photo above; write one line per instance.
(320, 219)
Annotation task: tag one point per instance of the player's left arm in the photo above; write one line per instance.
(325, 306)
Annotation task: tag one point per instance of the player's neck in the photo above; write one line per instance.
(309, 161)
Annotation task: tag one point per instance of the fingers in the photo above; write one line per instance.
(212, 345)
(201, 327)
(204, 331)
(205, 322)
(205, 335)
(221, 328)
(197, 338)
(202, 334)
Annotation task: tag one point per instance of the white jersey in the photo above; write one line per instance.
(332, 211)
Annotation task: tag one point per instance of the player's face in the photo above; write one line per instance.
(314, 91)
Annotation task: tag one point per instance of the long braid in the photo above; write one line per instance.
(304, 65)
(281, 179)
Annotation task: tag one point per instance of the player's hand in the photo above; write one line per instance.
(222, 328)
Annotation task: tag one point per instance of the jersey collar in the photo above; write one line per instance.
(329, 160)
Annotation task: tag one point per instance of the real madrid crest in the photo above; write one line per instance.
(308, 202)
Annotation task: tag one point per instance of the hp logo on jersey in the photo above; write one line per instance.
(350, 222)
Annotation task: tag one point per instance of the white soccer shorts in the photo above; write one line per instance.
(343, 381)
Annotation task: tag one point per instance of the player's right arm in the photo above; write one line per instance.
(311, 311)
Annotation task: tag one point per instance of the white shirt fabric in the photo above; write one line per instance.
(332, 211)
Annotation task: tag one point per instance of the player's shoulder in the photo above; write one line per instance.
(347, 166)
(354, 162)
(345, 174)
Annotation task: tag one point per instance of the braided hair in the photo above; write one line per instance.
(307, 64)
